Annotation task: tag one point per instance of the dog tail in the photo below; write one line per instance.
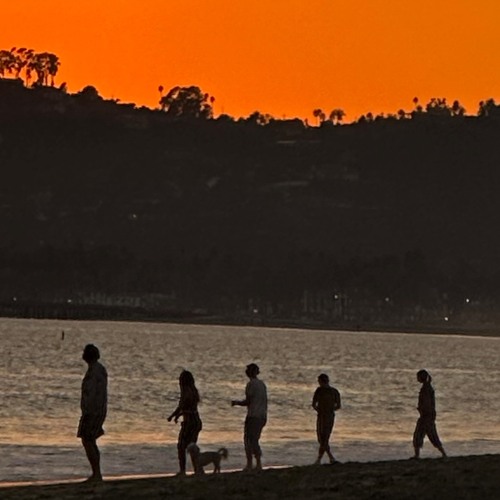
(223, 452)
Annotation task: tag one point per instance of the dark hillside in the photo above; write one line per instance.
(102, 196)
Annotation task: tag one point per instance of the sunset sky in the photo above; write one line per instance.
(283, 57)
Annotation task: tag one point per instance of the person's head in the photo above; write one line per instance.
(323, 379)
(252, 370)
(90, 353)
(186, 379)
(423, 376)
(187, 385)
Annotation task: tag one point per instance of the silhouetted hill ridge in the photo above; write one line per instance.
(83, 175)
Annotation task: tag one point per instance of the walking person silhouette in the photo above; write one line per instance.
(426, 423)
(326, 401)
(191, 422)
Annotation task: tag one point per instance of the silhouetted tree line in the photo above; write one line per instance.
(32, 67)
(256, 213)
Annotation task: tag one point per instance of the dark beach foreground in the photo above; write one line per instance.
(469, 477)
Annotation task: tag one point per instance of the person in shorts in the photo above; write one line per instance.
(256, 403)
(326, 401)
(93, 404)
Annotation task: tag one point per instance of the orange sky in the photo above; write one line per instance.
(283, 57)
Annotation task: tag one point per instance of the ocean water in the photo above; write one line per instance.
(41, 373)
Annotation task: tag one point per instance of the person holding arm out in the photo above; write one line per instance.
(191, 423)
(256, 403)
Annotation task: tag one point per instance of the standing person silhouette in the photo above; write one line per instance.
(191, 423)
(256, 403)
(326, 401)
(93, 403)
(426, 423)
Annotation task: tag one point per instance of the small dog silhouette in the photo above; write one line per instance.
(199, 459)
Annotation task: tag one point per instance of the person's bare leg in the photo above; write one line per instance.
(258, 462)
(94, 458)
(330, 454)
(321, 452)
(181, 453)
(441, 449)
(249, 464)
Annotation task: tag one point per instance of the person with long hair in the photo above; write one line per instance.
(191, 422)
(426, 423)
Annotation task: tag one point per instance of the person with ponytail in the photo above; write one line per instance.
(426, 423)
(191, 422)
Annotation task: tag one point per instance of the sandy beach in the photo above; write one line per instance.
(468, 477)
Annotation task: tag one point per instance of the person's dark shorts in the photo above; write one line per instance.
(190, 428)
(90, 427)
(253, 431)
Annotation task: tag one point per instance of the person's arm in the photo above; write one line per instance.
(315, 402)
(175, 414)
(243, 402)
(426, 404)
(433, 404)
(94, 402)
(179, 410)
(338, 403)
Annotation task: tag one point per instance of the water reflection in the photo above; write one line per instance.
(375, 372)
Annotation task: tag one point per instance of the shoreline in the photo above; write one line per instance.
(112, 315)
(471, 477)
(434, 329)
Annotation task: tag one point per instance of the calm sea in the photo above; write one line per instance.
(40, 377)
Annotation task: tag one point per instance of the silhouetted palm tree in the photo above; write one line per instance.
(437, 106)
(488, 108)
(258, 118)
(22, 57)
(52, 64)
(45, 65)
(457, 109)
(7, 62)
(18, 60)
(337, 115)
(318, 113)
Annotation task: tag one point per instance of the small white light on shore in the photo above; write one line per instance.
(467, 301)
(446, 318)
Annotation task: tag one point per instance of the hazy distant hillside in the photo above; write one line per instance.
(218, 206)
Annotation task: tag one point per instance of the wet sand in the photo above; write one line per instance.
(469, 477)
